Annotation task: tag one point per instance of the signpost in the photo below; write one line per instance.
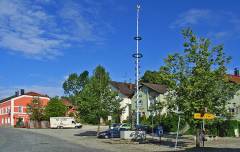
(207, 116)
(203, 116)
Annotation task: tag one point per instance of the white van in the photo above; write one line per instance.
(64, 122)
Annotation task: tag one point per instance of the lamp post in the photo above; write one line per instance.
(179, 119)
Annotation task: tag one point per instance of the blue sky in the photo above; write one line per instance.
(43, 41)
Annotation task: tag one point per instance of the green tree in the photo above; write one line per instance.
(55, 108)
(36, 110)
(198, 78)
(158, 77)
(75, 83)
(97, 101)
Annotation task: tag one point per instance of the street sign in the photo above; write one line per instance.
(207, 116)
(197, 116)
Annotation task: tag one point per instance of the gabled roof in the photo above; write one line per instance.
(126, 89)
(234, 78)
(156, 87)
(27, 93)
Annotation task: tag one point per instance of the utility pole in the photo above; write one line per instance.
(137, 57)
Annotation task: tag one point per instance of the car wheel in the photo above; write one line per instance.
(106, 137)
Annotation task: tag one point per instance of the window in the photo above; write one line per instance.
(8, 110)
(8, 120)
(140, 103)
(20, 109)
(2, 120)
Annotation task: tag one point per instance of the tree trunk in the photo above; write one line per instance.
(98, 129)
(197, 138)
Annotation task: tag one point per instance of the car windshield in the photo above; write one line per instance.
(115, 125)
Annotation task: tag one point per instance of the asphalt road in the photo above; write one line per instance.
(14, 140)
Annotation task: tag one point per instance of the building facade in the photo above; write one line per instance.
(15, 107)
(149, 96)
(233, 105)
(125, 92)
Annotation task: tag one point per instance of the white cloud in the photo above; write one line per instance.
(29, 28)
(48, 90)
(217, 25)
(191, 17)
(221, 35)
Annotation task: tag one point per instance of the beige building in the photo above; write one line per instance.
(233, 105)
(149, 96)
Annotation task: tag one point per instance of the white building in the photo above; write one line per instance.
(125, 93)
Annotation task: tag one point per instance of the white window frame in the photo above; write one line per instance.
(8, 110)
(20, 107)
(140, 103)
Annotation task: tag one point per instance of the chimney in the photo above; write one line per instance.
(236, 72)
(130, 86)
(17, 93)
(22, 91)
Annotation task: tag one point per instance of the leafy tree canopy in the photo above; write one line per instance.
(55, 108)
(75, 83)
(36, 110)
(96, 99)
(197, 77)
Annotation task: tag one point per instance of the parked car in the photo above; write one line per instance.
(114, 125)
(111, 133)
(120, 125)
(125, 126)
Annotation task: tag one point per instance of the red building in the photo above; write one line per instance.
(72, 110)
(15, 107)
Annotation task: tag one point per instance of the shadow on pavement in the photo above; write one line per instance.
(168, 143)
(87, 133)
(212, 149)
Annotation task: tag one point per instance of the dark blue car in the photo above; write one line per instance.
(111, 133)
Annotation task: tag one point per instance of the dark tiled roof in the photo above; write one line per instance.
(126, 89)
(233, 78)
(156, 87)
(6, 99)
(27, 93)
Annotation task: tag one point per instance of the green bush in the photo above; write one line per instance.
(169, 122)
(222, 128)
(20, 123)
